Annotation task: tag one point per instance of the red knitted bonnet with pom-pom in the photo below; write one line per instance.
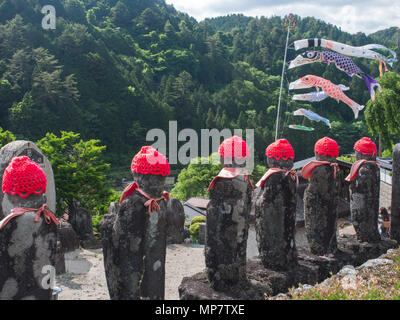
(23, 177)
(366, 146)
(150, 161)
(327, 147)
(234, 147)
(280, 149)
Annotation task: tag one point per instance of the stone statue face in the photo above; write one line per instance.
(321, 157)
(281, 163)
(152, 184)
(232, 163)
(360, 156)
(32, 201)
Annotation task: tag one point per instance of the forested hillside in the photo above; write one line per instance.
(112, 70)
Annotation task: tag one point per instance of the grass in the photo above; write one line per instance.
(379, 283)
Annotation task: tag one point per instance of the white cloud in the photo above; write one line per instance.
(358, 15)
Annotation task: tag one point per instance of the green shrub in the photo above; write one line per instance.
(198, 219)
(194, 231)
(348, 158)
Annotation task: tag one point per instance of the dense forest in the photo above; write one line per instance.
(114, 69)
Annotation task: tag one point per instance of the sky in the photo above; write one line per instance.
(352, 16)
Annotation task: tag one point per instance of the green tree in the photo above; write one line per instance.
(382, 115)
(5, 137)
(193, 181)
(79, 171)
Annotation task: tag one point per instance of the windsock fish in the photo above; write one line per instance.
(343, 63)
(316, 96)
(312, 116)
(302, 128)
(359, 52)
(331, 89)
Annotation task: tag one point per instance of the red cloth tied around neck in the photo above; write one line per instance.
(231, 173)
(308, 169)
(356, 166)
(151, 203)
(271, 171)
(43, 210)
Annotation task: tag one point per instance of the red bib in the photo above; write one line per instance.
(356, 166)
(271, 171)
(16, 212)
(308, 169)
(231, 173)
(152, 203)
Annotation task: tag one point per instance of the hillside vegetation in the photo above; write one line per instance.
(112, 70)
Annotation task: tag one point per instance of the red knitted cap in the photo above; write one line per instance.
(234, 147)
(23, 177)
(327, 147)
(366, 146)
(280, 149)
(150, 161)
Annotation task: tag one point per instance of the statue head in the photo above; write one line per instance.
(365, 149)
(150, 169)
(233, 152)
(326, 149)
(280, 154)
(24, 183)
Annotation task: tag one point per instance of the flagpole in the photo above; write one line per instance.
(283, 74)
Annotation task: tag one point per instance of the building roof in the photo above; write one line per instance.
(198, 202)
(192, 211)
(386, 163)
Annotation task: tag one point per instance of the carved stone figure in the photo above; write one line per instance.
(276, 209)
(228, 218)
(364, 191)
(321, 198)
(134, 232)
(28, 234)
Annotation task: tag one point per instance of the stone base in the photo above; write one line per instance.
(364, 251)
(68, 238)
(261, 282)
(197, 287)
(92, 243)
(310, 270)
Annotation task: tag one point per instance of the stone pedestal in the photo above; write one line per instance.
(29, 149)
(364, 200)
(27, 253)
(226, 233)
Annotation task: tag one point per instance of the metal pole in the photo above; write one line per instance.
(283, 74)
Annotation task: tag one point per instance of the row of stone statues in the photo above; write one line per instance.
(134, 230)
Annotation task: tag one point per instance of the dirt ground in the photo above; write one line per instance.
(85, 277)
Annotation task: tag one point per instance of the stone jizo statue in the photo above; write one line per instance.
(321, 198)
(135, 230)
(228, 218)
(276, 208)
(28, 234)
(364, 191)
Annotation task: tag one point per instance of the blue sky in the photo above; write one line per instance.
(352, 16)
